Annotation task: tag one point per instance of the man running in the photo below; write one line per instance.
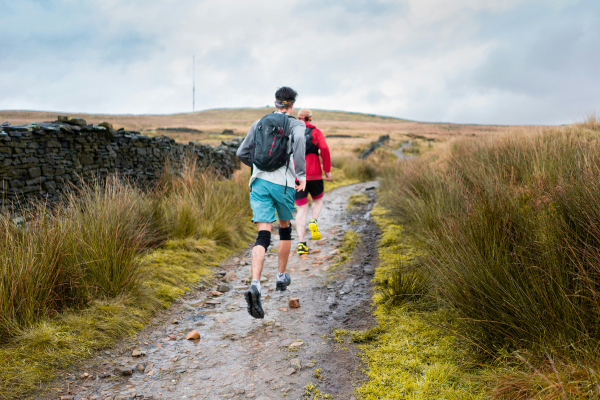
(315, 144)
(274, 148)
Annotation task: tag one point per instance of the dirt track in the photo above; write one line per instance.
(240, 357)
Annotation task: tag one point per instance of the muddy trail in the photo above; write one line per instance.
(237, 356)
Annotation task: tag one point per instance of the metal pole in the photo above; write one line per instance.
(194, 84)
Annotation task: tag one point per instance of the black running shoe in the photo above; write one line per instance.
(252, 296)
(282, 285)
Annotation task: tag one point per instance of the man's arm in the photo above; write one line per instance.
(299, 148)
(244, 152)
(325, 154)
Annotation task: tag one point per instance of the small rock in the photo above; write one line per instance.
(289, 371)
(140, 367)
(193, 335)
(286, 342)
(315, 251)
(173, 337)
(174, 321)
(368, 269)
(294, 302)
(83, 376)
(204, 377)
(223, 288)
(220, 319)
(283, 309)
(215, 293)
(296, 344)
(230, 276)
(263, 279)
(181, 371)
(241, 287)
(320, 243)
(309, 365)
(277, 324)
(236, 259)
(67, 397)
(295, 363)
(136, 353)
(250, 395)
(222, 273)
(124, 371)
(104, 376)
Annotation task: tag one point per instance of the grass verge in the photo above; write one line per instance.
(504, 232)
(411, 352)
(97, 269)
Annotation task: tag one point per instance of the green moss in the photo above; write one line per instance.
(411, 353)
(358, 199)
(414, 358)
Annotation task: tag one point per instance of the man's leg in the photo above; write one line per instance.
(283, 252)
(285, 244)
(263, 213)
(317, 191)
(317, 206)
(259, 250)
(301, 215)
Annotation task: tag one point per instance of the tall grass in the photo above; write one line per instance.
(92, 247)
(511, 229)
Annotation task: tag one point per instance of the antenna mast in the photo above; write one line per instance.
(194, 84)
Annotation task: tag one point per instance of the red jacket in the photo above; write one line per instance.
(313, 164)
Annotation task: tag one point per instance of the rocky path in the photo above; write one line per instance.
(237, 356)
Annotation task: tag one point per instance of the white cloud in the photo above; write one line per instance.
(498, 61)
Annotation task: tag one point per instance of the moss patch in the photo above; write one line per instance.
(412, 358)
(358, 199)
(411, 353)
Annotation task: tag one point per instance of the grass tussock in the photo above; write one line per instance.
(77, 278)
(507, 231)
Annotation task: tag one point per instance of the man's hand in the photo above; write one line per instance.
(301, 186)
(327, 176)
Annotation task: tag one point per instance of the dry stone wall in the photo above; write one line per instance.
(42, 160)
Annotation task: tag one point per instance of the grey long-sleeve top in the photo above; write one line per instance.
(297, 166)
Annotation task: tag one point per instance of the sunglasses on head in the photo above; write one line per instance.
(306, 118)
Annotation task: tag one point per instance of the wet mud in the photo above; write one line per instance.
(240, 357)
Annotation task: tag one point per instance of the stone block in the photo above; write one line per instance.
(50, 185)
(34, 172)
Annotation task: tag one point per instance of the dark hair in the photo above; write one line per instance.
(286, 94)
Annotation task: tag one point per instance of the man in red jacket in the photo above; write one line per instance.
(315, 144)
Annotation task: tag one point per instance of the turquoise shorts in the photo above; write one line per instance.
(266, 197)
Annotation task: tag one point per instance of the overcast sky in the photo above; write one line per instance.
(470, 61)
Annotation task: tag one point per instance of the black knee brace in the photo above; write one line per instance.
(285, 233)
(263, 239)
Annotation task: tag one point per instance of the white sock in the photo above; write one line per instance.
(256, 283)
(280, 276)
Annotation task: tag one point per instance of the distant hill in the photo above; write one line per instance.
(349, 129)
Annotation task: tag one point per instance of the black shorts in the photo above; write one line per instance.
(315, 188)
